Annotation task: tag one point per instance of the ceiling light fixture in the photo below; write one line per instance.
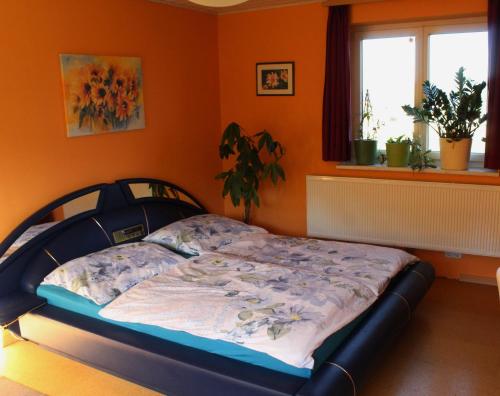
(218, 3)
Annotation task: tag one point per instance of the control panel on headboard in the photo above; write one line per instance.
(129, 233)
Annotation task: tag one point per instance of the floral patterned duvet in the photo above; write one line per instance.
(284, 298)
(374, 266)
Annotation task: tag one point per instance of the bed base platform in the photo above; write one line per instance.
(124, 212)
(174, 369)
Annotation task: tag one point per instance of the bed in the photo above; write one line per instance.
(176, 362)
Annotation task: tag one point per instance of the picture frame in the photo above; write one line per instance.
(275, 78)
(102, 94)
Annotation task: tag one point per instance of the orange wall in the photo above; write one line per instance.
(178, 48)
(298, 33)
(181, 93)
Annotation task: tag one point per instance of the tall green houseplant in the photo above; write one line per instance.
(257, 158)
(454, 116)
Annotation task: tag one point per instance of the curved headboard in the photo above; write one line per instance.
(120, 217)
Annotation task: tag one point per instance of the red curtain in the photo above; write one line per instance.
(337, 90)
(492, 155)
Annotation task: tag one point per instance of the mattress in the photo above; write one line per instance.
(65, 299)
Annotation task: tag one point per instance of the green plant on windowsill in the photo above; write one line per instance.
(399, 140)
(419, 157)
(454, 116)
(365, 123)
(365, 143)
(398, 151)
(257, 158)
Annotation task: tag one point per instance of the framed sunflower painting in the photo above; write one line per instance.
(276, 79)
(102, 94)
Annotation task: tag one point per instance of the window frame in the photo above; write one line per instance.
(421, 30)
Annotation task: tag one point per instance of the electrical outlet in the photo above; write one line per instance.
(453, 255)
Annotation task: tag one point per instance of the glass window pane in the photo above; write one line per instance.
(447, 53)
(388, 73)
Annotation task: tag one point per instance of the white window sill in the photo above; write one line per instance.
(471, 171)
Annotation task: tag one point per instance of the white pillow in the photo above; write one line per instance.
(202, 233)
(104, 275)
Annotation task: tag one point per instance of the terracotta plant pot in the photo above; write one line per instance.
(365, 151)
(455, 154)
(398, 154)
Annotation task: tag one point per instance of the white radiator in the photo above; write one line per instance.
(461, 218)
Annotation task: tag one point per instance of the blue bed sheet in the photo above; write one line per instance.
(62, 298)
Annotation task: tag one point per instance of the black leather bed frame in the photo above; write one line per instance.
(158, 364)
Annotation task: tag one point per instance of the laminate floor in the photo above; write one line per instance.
(451, 346)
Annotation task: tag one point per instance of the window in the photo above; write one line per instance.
(389, 76)
(449, 51)
(392, 62)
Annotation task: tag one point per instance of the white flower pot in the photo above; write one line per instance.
(455, 155)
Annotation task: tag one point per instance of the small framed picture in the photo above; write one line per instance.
(276, 79)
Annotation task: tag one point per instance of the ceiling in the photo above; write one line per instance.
(247, 6)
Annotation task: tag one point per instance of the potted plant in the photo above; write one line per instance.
(398, 151)
(420, 158)
(257, 158)
(365, 145)
(455, 117)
